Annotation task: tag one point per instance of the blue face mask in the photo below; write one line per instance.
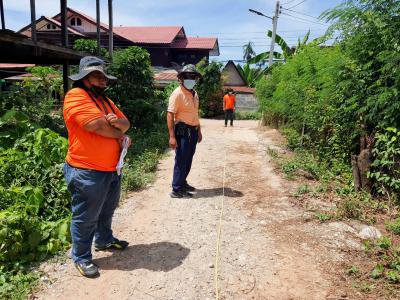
(189, 83)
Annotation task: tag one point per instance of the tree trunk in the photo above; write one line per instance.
(361, 165)
(364, 163)
(356, 173)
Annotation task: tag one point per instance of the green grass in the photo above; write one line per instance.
(239, 115)
(394, 226)
(323, 217)
(147, 149)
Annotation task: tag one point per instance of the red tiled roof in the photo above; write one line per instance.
(15, 66)
(241, 89)
(166, 76)
(195, 43)
(29, 75)
(149, 34)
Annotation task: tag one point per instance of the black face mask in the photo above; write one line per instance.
(98, 90)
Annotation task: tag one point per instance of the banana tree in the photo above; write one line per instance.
(251, 75)
(287, 51)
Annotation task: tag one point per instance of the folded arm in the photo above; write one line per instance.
(102, 127)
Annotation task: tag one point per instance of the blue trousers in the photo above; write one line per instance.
(95, 196)
(229, 116)
(186, 147)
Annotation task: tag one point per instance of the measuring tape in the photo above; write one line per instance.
(219, 226)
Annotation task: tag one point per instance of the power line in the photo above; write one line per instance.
(297, 4)
(291, 1)
(251, 32)
(237, 46)
(300, 13)
(305, 20)
(259, 38)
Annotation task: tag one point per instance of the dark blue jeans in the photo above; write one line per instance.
(186, 147)
(95, 196)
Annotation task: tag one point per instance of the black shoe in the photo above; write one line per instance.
(189, 188)
(116, 244)
(88, 269)
(180, 194)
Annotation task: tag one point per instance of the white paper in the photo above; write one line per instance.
(125, 145)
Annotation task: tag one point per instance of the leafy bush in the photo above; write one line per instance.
(368, 34)
(134, 89)
(35, 161)
(37, 98)
(34, 205)
(90, 47)
(292, 138)
(210, 89)
(302, 95)
(386, 165)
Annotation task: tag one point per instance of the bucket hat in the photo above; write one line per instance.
(190, 69)
(89, 64)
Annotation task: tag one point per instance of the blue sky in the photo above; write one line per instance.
(229, 21)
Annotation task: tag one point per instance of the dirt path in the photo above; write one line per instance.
(268, 250)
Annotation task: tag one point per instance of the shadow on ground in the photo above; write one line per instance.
(209, 193)
(163, 256)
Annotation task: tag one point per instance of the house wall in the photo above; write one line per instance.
(189, 56)
(232, 76)
(160, 56)
(85, 27)
(246, 102)
(54, 37)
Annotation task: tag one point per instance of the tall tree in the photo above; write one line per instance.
(248, 51)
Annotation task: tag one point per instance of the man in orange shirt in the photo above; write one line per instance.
(184, 129)
(96, 128)
(229, 102)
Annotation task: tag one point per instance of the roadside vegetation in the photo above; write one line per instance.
(338, 108)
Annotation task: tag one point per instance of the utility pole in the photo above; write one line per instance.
(33, 22)
(110, 30)
(64, 42)
(98, 26)
(3, 24)
(274, 26)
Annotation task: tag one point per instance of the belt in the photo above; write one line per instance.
(184, 125)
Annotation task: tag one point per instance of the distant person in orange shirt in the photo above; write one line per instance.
(184, 129)
(96, 128)
(229, 103)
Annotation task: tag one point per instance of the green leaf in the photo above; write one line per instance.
(377, 272)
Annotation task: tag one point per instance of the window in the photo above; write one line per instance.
(51, 26)
(76, 21)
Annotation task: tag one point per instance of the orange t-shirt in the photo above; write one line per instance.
(229, 101)
(185, 106)
(88, 150)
